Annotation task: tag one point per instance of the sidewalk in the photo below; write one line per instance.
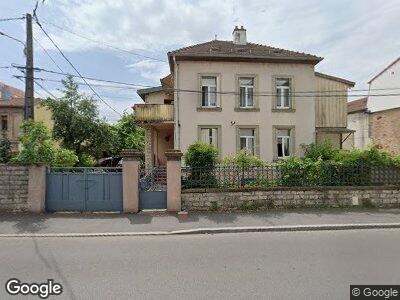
(62, 223)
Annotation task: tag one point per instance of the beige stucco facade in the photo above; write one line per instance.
(188, 116)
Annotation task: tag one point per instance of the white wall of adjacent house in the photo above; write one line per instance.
(263, 119)
(390, 78)
(359, 122)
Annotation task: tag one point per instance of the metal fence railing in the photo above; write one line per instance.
(153, 179)
(324, 174)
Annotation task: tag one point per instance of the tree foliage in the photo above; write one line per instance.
(243, 159)
(77, 124)
(39, 147)
(5, 148)
(128, 134)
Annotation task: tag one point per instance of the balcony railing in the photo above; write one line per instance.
(154, 113)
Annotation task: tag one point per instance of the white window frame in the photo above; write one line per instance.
(283, 138)
(282, 89)
(208, 91)
(248, 138)
(210, 136)
(246, 93)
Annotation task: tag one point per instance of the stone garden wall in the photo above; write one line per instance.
(13, 188)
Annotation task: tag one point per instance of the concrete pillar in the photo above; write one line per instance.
(174, 171)
(36, 188)
(130, 180)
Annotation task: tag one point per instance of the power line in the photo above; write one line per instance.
(43, 88)
(265, 94)
(217, 92)
(89, 78)
(102, 42)
(12, 19)
(11, 37)
(48, 54)
(72, 65)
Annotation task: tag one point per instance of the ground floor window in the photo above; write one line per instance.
(247, 140)
(283, 143)
(209, 136)
(4, 123)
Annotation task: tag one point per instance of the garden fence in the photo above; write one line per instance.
(324, 174)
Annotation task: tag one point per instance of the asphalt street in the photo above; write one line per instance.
(284, 265)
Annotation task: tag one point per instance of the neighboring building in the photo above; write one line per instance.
(12, 113)
(239, 95)
(376, 118)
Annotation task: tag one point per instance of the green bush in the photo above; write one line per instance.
(39, 147)
(86, 160)
(243, 159)
(201, 155)
(64, 158)
(5, 148)
(324, 151)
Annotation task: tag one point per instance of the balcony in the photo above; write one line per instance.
(154, 113)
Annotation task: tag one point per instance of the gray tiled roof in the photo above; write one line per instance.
(227, 49)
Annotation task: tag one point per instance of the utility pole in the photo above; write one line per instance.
(29, 85)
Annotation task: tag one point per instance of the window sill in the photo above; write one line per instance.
(284, 110)
(209, 109)
(250, 109)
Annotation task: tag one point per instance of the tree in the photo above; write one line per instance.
(128, 134)
(77, 124)
(5, 148)
(39, 147)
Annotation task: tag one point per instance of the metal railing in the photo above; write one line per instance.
(153, 179)
(325, 174)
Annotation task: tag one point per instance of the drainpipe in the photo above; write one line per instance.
(177, 140)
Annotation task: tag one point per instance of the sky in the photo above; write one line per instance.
(128, 40)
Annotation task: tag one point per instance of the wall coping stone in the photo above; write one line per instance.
(173, 154)
(317, 188)
(130, 154)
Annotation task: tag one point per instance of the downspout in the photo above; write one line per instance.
(177, 131)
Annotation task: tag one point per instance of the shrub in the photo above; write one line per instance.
(5, 148)
(86, 160)
(201, 155)
(243, 159)
(64, 158)
(324, 151)
(38, 147)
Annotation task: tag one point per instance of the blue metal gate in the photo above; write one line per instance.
(153, 188)
(84, 189)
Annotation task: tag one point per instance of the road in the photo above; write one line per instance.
(285, 265)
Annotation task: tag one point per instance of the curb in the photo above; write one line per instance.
(322, 227)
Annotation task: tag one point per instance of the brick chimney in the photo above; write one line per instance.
(239, 35)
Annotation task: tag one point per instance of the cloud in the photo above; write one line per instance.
(149, 69)
(357, 38)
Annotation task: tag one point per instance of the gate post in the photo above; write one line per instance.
(174, 171)
(36, 188)
(130, 180)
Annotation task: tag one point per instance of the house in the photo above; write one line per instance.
(240, 95)
(12, 113)
(376, 118)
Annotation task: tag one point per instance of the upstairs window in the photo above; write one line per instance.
(246, 89)
(209, 91)
(247, 140)
(283, 143)
(283, 93)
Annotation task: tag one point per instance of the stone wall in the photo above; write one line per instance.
(13, 188)
(246, 199)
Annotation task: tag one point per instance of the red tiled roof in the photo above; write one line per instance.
(357, 105)
(14, 92)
